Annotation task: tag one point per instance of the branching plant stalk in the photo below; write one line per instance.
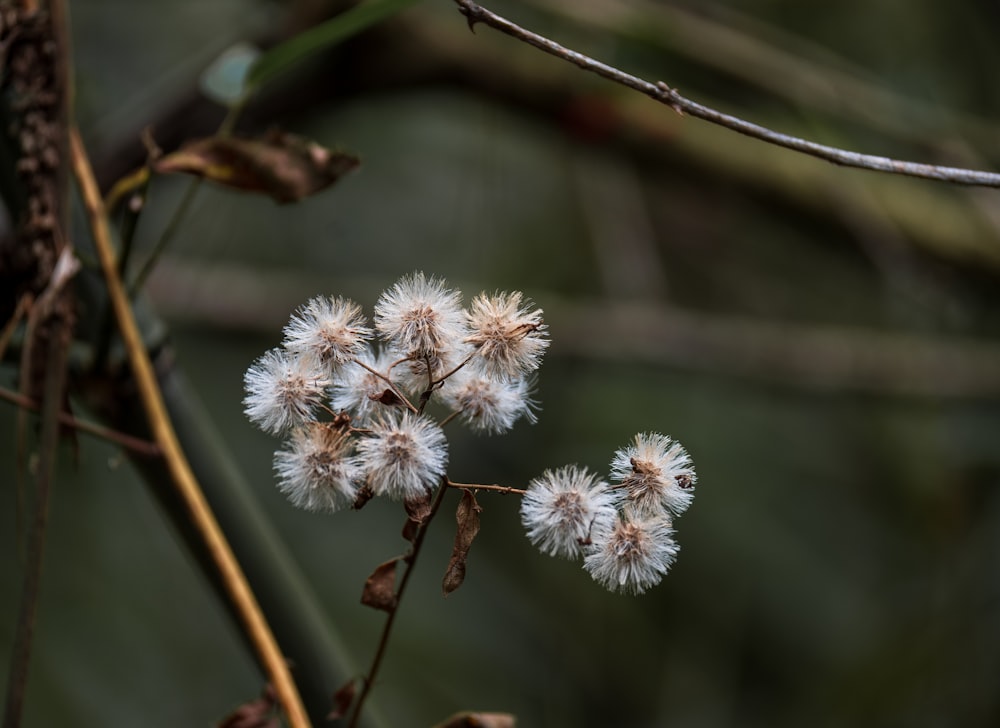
(383, 643)
(55, 383)
(230, 572)
(135, 444)
(663, 93)
(495, 488)
(392, 387)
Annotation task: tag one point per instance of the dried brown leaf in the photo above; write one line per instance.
(380, 587)
(469, 719)
(283, 166)
(467, 517)
(259, 713)
(417, 511)
(389, 398)
(364, 494)
(342, 700)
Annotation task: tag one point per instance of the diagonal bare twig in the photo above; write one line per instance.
(663, 93)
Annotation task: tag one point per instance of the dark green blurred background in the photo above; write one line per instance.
(825, 343)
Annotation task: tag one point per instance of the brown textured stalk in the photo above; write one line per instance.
(661, 92)
(202, 517)
(495, 488)
(383, 643)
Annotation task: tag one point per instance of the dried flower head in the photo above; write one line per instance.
(420, 317)
(486, 404)
(412, 373)
(631, 553)
(563, 507)
(315, 469)
(656, 473)
(330, 329)
(358, 390)
(283, 390)
(510, 337)
(403, 456)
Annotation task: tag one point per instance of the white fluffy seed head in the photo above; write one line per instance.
(563, 507)
(316, 470)
(358, 391)
(333, 330)
(412, 373)
(632, 553)
(655, 474)
(420, 317)
(403, 456)
(508, 334)
(486, 404)
(283, 390)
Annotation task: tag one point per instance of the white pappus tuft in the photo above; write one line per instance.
(655, 473)
(419, 317)
(283, 390)
(403, 456)
(563, 507)
(486, 404)
(316, 470)
(358, 389)
(333, 330)
(509, 336)
(631, 553)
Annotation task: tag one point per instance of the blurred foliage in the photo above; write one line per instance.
(841, 563)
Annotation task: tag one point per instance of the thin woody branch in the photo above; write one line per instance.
(135, 444)
(229, 569)
(496, 488)
(663, 93)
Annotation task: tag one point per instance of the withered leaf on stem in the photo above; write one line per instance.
(468, 526)
(380, 587)
(479, 720)
(259, 713)
(417, 511)
(365, 494)
(389, 398)
(342, 699)
(283, 166)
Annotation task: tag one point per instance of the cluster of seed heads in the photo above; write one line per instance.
(353, 400)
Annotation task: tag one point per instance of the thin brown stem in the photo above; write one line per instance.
(129, 442)
(464, 362)
(495, 488)
(230, 572)
(17, 678)
(399, 361)
(392, 387)
(20, 312)
(663, 93)
(383, 643)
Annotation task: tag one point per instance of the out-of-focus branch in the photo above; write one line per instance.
(137, 445)
(229, 569)
(663, 93)
(813, 357)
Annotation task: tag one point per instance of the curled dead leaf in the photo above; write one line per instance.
(364, 494)
(467, 517)
(342, 699)
(283, 166)
(417, 511)
(380, 587)
(469, 719)
(259, 713)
